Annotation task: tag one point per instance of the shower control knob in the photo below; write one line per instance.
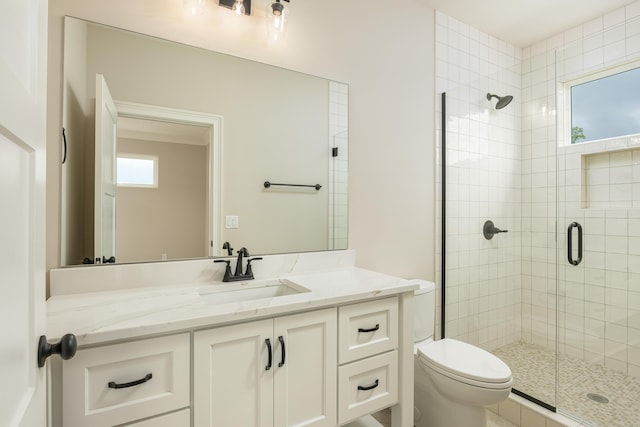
(489, 230)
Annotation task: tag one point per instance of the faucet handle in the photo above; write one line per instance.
(249, 271)
(227, 270)
(227, 246)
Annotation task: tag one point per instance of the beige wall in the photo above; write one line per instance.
(169, 220)
(74, 113)
(386, 56)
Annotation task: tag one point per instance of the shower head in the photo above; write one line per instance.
(503, 101)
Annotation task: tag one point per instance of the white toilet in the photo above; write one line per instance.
(453, 380)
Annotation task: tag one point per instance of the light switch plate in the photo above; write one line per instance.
(231, 221)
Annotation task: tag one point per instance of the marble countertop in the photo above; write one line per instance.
(101, 317)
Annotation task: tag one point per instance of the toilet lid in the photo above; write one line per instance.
(465, 360)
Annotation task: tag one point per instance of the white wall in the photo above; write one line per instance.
(386, 56)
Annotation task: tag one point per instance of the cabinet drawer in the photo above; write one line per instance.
(367, 328)
(110, 385)
(175, 419)
(367, 386)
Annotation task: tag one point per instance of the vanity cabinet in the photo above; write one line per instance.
(368, 357)
(274, 372)
(175, 419)
(317, 366)
(123, 383)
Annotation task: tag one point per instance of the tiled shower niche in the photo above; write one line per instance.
(611, 179)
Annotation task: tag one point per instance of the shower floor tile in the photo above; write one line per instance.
(533, 369)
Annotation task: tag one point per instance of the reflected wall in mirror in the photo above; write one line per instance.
(273, 125)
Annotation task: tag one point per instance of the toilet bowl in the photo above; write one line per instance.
(453, 380)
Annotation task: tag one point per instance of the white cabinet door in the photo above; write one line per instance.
(305, 355)
(233, 381)
(276, 372)
(23, 88)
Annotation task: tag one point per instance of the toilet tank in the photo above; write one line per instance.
(424, 311)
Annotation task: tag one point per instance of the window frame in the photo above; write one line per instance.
(565, 98)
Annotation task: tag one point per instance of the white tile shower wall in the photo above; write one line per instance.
(599, 306)
(483, 167)
(338, 170)
(608, 177)
(538, 197)
(599, 300)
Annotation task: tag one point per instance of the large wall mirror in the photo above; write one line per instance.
(168, 148)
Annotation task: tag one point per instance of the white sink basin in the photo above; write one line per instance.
(249, 291)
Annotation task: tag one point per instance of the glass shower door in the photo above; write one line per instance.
(498, 165)
(599, 238)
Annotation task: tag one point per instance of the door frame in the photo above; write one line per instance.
(105, 138)
(214, 180)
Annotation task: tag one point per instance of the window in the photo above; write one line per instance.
(605, 105)
(134, 170)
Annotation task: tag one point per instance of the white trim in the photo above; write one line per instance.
(215, 124)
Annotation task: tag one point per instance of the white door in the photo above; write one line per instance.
(233, 375)
(23, 38)
(105, 173)
(305, 389)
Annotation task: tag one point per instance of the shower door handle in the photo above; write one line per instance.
(570, 243)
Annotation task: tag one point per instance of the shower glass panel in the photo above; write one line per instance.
(599, 207)
(557, 297)
(500, 165)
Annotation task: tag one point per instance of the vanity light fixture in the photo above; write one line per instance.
(277, 18)
(239, 7)
(194, 7)
(197, 7)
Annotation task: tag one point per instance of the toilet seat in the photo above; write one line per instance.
(465, 363)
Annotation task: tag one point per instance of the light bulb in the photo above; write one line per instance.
(238, 7)
(277, 15)
(194, 7)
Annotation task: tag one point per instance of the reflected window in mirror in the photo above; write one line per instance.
(137, 171)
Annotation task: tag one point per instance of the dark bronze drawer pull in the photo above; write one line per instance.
(269, 349)
(368, 387)
(281, 339)
(375, 328)
(113, 384)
